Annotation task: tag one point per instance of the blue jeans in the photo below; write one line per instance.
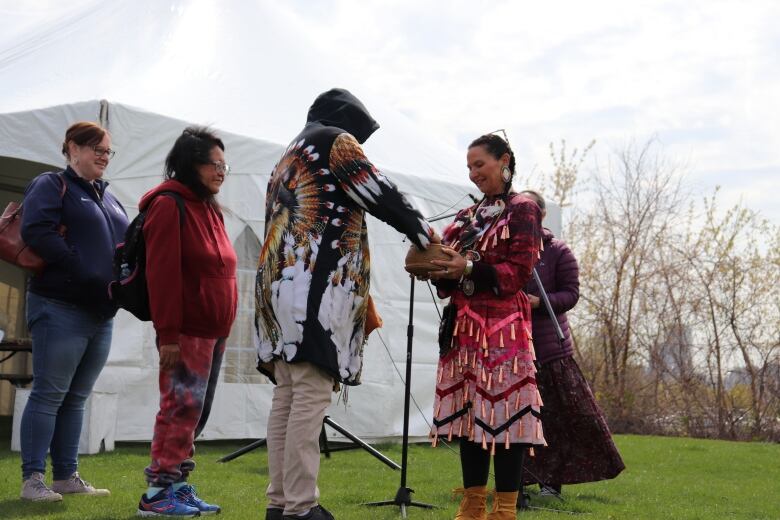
(70, 348)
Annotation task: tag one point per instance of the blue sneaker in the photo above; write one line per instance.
(165, 503)
(186, 494)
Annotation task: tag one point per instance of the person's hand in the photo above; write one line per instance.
(534, 301)
(453, 267)
(435, 238)
(169, 356)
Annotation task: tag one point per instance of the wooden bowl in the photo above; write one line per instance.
(419, 262)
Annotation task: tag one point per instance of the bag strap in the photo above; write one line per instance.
(60, 176)
(179, 204)
(64, 188)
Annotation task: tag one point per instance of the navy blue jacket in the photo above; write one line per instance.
(79, 265)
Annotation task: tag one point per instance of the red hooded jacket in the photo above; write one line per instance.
(190, 269)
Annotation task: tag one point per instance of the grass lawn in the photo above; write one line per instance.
(665, 479)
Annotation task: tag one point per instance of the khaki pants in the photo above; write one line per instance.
(301, 396)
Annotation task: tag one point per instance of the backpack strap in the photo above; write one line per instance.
(179, 203)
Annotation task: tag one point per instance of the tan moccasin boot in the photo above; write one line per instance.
(504, 506)
(473, 505)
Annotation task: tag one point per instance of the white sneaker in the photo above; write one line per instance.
(36, 490)
(76, 486)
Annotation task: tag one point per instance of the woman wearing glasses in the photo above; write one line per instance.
(191, 277)
(74, 224)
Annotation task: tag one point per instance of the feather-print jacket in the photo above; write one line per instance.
(313, 275)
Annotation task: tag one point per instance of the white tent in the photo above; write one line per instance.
(246, 69)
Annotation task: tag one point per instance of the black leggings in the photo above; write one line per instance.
(475, 464)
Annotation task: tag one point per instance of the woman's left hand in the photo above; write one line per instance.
(169, 356)
(453, 267)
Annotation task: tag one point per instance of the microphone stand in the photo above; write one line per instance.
(403, 497)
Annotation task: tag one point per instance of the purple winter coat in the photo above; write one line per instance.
(559, 273)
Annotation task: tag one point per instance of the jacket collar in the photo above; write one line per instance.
(547, 236)
(99, 184)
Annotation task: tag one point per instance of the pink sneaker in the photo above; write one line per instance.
(35, 490)
(76, 486)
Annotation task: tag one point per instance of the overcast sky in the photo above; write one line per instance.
(702, 77)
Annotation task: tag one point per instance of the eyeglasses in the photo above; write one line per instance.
(100, 151)
(221, 167)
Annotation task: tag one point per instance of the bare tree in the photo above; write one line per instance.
(678, 327)
(638, 198)
(733, 258)
(561, 183)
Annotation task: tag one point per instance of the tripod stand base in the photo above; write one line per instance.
(325, 447)
(358, 443)
(257, 444)
(403, 499)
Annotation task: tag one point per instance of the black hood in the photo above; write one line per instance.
(338, 107)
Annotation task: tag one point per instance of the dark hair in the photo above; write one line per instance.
(83, 133)
(537, 197)
(193, 147)
(497, 147)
